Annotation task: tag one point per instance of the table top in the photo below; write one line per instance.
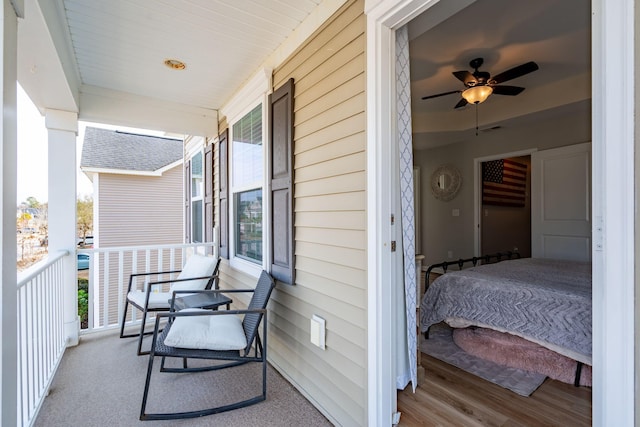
(209, 300)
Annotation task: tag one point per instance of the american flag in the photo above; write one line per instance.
(504, 183)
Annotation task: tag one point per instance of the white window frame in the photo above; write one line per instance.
(194, 146)
(200, 198)
(193, 199)
(256, 91)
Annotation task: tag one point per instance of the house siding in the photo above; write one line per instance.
(137, 211)
(330, 223)
(140, 210)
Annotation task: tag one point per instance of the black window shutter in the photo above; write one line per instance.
(187, 201)
(223, 149)
(281, 198)
(208, 195)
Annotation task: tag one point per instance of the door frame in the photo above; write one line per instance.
(477, 192)
(614, 94)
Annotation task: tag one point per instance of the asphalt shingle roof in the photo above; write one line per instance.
(109, 149)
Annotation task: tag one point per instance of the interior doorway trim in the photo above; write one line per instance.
(383, 18)
(477, 191)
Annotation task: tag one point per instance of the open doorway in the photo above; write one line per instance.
(474, 138)
(614, 311)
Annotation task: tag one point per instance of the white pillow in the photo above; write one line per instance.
(196, 266)
(215, 332)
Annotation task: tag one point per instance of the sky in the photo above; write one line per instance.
(32, 152)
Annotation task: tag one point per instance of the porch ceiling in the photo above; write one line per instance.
(111, 54)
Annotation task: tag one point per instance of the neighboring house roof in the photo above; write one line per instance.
(116, 150)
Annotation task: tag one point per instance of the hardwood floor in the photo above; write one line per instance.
(452, 397)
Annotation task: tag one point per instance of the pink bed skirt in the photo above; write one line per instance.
(513, 351)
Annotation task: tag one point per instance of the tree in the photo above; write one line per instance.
(33, 202)
(23, 220)
(84, 213)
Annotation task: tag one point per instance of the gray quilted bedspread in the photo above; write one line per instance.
(546, 300)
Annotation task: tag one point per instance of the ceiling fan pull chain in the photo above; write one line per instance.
(476, 119)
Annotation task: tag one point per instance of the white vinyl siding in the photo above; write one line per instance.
(138, 211)
(330, 223)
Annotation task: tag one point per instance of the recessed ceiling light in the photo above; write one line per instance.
(174, 64)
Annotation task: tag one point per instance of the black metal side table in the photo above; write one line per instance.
(209, 301)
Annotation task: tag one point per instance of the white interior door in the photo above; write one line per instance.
(561, 203)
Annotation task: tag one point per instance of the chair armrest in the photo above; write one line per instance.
(160, 282)
(131, 276)
(154, 272)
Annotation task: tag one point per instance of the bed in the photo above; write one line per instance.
(541, 300)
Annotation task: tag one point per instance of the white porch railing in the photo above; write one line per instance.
(109, 271)
(40, 323)
(40, 308)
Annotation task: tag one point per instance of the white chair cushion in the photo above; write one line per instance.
(156, 299)
(216, 332)
(196, 266)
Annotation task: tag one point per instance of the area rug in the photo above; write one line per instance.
(441, 346)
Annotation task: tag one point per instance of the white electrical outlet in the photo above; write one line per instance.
(450, 254)
(318, 331)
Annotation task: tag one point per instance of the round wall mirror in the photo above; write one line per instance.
(445, 182)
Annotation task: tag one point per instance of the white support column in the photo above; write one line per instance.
(8, 181)
(62, 127)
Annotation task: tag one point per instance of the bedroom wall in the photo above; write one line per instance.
(441, 231)
(495, 219)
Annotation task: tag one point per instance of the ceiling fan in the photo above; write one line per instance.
(479, 84)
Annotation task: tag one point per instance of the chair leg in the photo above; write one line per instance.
(146, 388)
(124, 317)
(144, 321)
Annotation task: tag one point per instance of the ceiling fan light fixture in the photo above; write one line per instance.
(477, 94)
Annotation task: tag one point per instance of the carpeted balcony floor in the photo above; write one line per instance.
(100, 383)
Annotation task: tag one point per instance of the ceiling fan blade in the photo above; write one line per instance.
(465, 77)
(515, 72)
(507, 90)
(441, 94)
(461, 103)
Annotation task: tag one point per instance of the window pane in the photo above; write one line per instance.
(197, 178)
(196, 222)
(248, 220)
(247, 149)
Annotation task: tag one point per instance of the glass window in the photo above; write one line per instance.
(197, 192)
(246, 185)
(197, 178)
(247, 149)
(248, 222)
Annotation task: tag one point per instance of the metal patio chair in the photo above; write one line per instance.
(199, 272)
(228, 336)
